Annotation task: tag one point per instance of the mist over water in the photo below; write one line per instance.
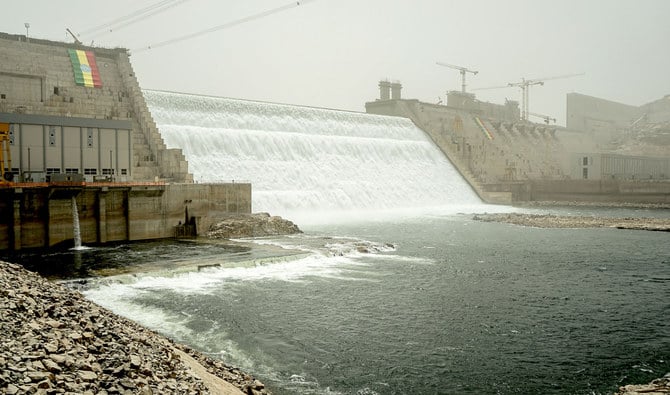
(309, 162)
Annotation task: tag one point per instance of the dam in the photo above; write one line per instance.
(76, 125)
(74, 122)
(305, 162)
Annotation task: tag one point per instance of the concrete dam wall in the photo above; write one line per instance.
(511, 161)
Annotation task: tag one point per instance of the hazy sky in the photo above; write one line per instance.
(332, 53)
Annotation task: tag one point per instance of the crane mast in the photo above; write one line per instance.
(462, 70)
(525, 85)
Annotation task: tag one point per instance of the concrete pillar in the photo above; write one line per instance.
(384, 90)
(16, 233)
(102, 215)
(395, 90)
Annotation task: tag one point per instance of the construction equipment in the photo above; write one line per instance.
(463, 70)
(546, 118)
(525, 85)
(76, 40)
(6, 175)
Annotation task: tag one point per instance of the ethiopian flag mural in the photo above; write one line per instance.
(85, 69)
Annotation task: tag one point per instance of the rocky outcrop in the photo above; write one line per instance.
(251, 225)
(556, 221)
(53, 340)
(656, 387)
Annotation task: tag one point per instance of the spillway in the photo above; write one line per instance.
(305, 161)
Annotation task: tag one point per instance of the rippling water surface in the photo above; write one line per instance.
(429, 305)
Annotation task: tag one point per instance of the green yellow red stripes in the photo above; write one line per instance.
(85, 68)
(484, 129)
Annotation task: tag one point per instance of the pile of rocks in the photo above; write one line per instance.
(656, 387)
(251, 225)
(52, 340)
(556, 221)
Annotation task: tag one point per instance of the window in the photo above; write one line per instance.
(89, 137)
(90, 171)
(107, 172)
(52, 135)
(3, 96)
(585, 173)
(124, 172)
(585, 161)
(71, 171)
(53, 170)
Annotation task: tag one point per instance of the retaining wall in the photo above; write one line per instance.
(40, 215)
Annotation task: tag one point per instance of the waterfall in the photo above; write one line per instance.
(311, 161)
(75, 224)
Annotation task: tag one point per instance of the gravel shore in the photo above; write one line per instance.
(55, 341)
(556, 221)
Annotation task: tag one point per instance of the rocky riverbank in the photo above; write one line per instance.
(656, 387)
(251, 225)
(53, 340)
(556, 221)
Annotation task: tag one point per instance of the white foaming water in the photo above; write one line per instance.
(310, 164)
(75, 224)
(330, 257)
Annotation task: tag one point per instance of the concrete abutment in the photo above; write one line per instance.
(40, 216)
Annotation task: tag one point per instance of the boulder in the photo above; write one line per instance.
(251, 225)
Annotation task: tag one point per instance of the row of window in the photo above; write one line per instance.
(87, 171)
(52, 136)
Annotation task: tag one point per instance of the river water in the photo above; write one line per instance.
(433, 304)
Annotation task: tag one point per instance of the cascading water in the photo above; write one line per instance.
(310, 160)
(75, 224)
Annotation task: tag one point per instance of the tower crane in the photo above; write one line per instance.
(525, 85)
(463, 70)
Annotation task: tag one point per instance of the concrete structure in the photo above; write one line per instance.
(54, 117)
(35, 215)
(620, 128)
(506, 159)
(590, 166)
(466, 101)
(396, 87)
(594, 115)
(385, 90)
(44, 145)
(96, 141)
